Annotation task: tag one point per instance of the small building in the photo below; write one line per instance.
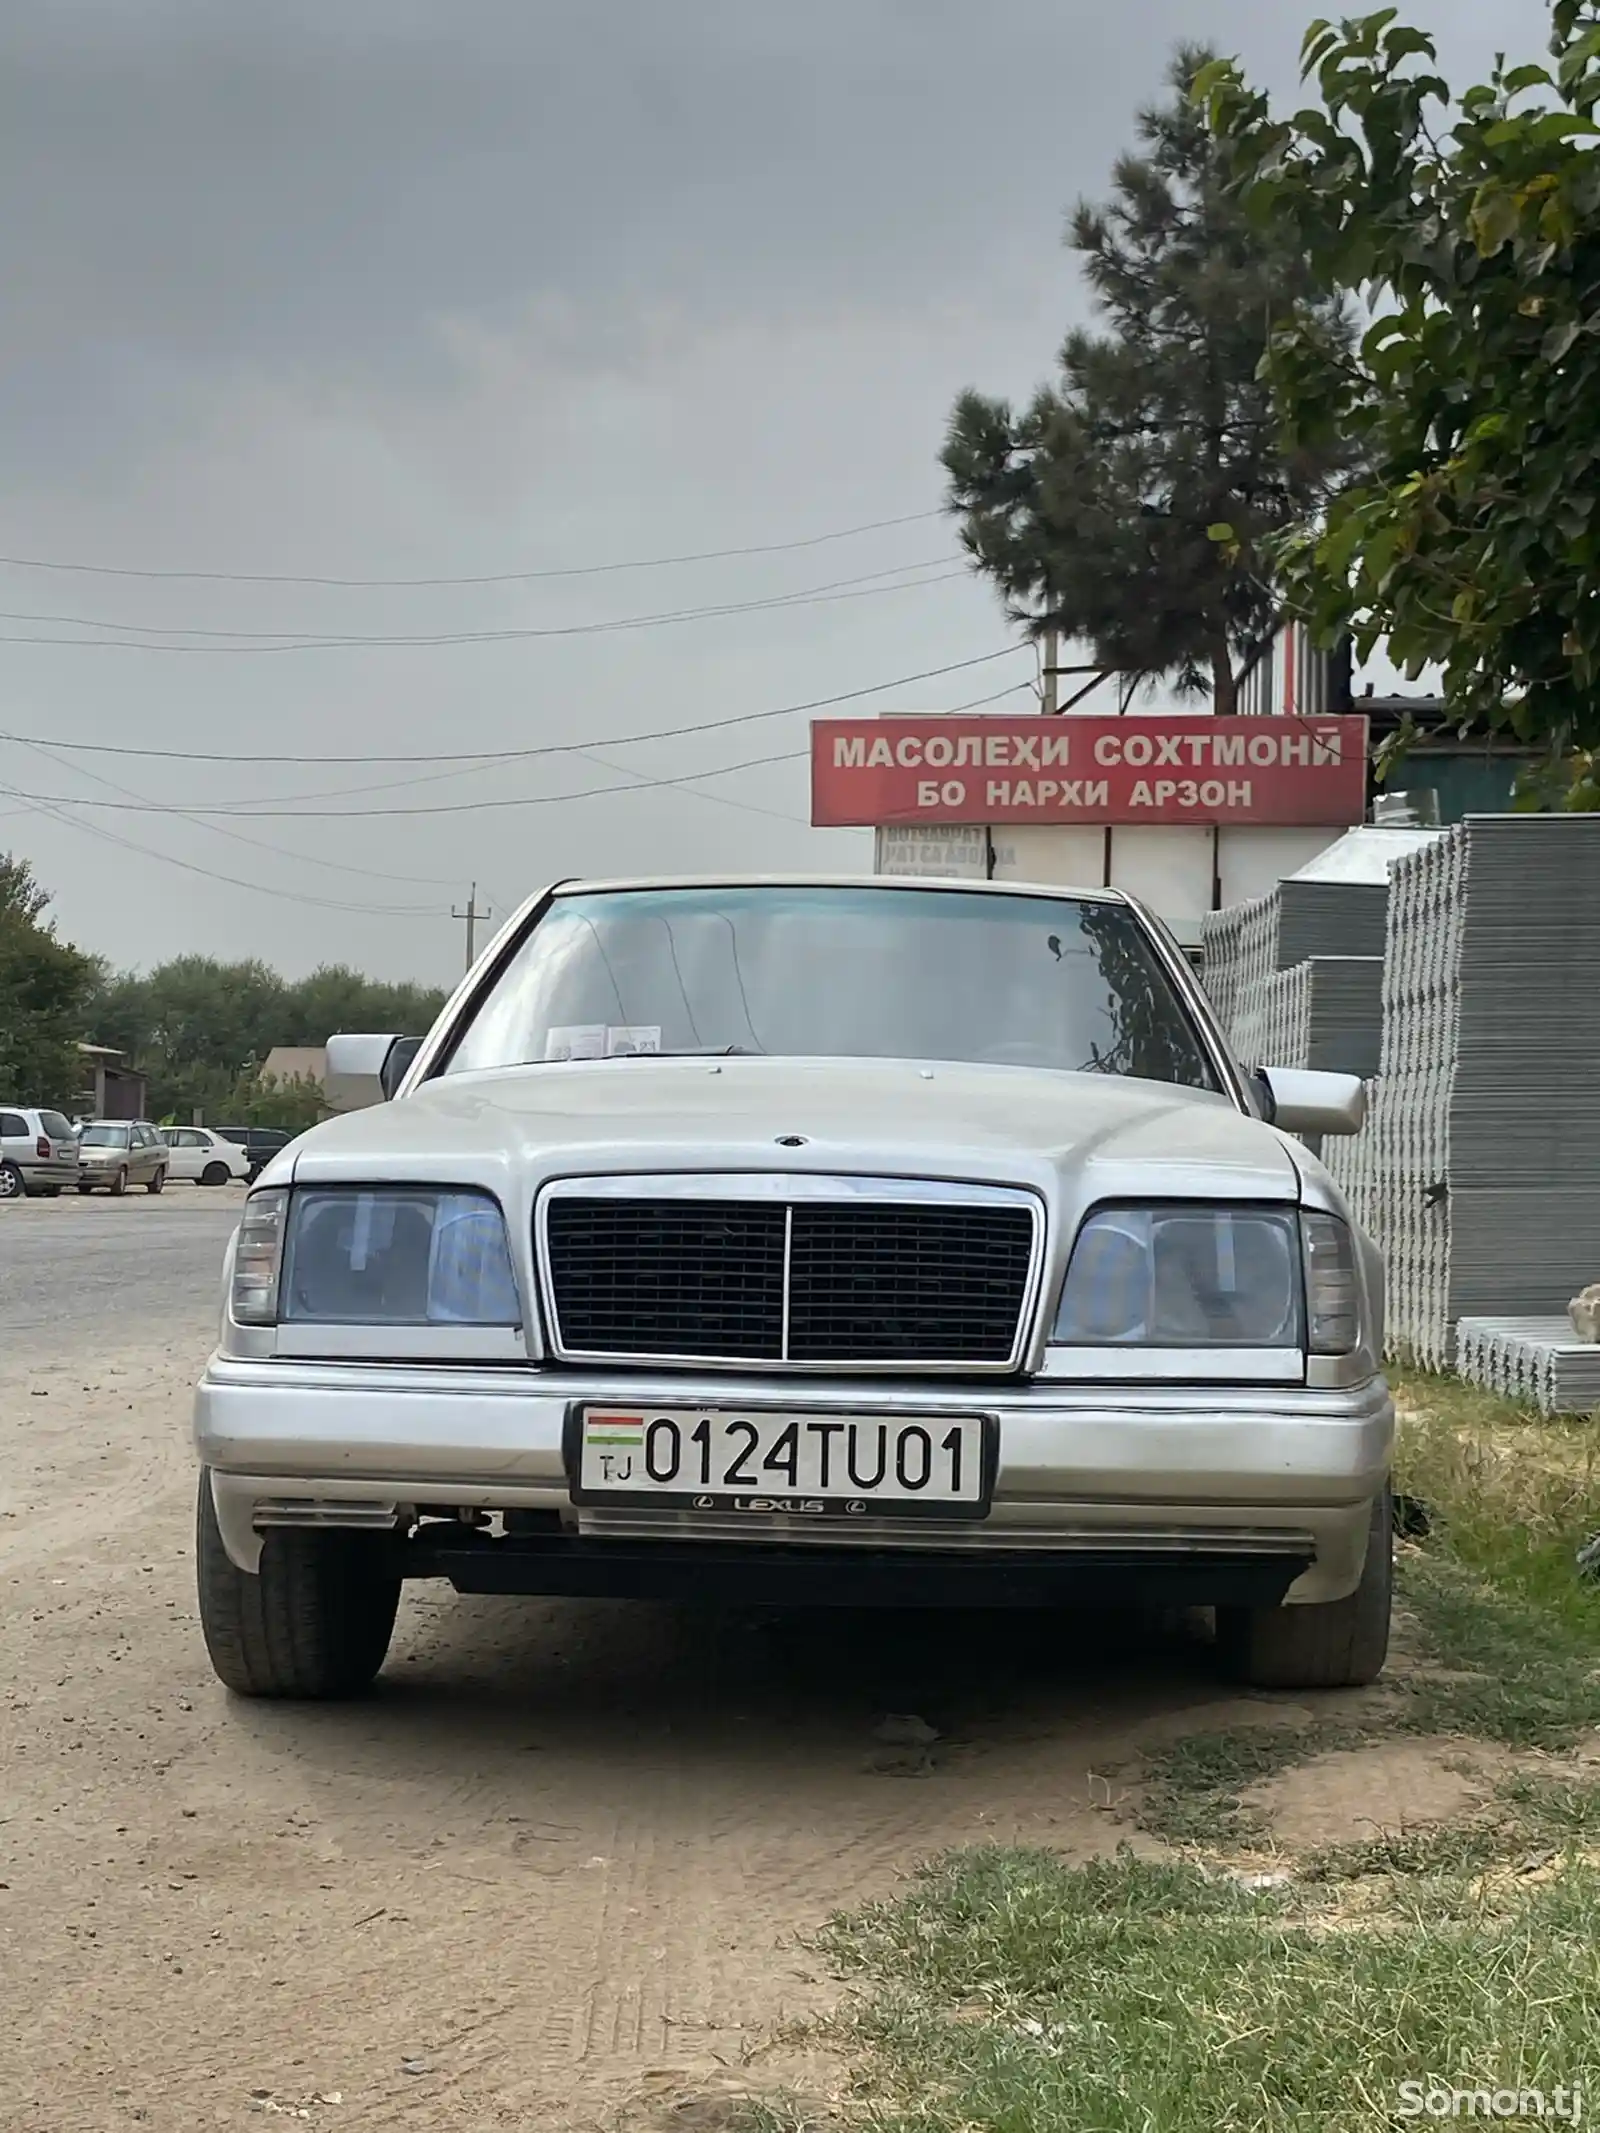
(108, 1086)
(297, 1062)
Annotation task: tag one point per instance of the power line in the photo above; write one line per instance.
(471, 807)
(53, 807)
(640, 783)
(260, 844)
(975, 702)
(510, 755)
(127, 844)
(718, 799)
(312, 640)
(621, 624)
(368, 814)
(501, 577)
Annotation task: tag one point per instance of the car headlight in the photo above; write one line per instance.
(1193, 1276)
(388, 1255)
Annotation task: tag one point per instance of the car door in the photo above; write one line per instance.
(147, 1155)
(185, 1146)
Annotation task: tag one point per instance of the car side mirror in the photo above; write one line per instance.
(1301, 1100)
(367, 1069)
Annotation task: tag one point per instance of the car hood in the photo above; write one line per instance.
(1070, 1137)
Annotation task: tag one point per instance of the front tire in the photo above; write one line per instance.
(1338, 1644)
(119, 1185)
(214, 1174)
(315, 1622)
(11, 1185)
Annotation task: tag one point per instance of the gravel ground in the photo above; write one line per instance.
(556, 1870)
(77, 1271)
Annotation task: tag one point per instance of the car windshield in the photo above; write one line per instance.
(105, 1136)
(839, 972)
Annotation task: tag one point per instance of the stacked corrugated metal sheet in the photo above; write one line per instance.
(1272, 1020)
(1346, 1014)
(1238, 953)
(1326, 1012)
(1478, 1172)
(1535, 1361)
(1333, 910)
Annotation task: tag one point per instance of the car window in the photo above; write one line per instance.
(55, 1125)
(13, 1125)
(819, 971)
(105, 1136)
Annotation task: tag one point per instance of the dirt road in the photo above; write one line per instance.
(554, 1871)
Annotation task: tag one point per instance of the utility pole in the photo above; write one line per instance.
(1050, 645)
(472, 915)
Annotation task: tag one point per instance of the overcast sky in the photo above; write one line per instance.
(385, 289)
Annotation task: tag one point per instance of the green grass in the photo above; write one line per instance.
(1510, 1670)
(1510, 1633)
(1014, 1992)
(1502, 1610)
(1513, 1494)
(1010, 1991)
(1190, 1787)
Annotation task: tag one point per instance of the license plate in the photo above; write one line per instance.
(783, 1463)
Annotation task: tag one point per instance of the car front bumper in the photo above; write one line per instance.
(1187, 1492)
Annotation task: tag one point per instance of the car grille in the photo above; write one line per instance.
(809, 1284)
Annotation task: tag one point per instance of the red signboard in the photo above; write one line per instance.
(1305, 772)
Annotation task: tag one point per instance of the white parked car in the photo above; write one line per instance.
(820, 1243)
(202, 1157)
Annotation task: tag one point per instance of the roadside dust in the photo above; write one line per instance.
(1385, 1789)
(555, 1874)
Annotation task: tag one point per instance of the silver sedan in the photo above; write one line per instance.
(118, 1154)
(806, 1242)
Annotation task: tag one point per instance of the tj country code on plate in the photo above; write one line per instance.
(820, 1464)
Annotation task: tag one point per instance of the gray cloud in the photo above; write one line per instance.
(395, 289)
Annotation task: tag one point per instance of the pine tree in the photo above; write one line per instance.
(1095, 510)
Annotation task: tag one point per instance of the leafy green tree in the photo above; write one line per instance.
(335, 997)
(1471, 541)
(201, 1031)
(45, 987)
(1091, 509)
(265, 1100)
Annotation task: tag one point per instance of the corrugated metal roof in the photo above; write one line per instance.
(1364, 854)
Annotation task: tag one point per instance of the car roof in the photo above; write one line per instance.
(1057, 890)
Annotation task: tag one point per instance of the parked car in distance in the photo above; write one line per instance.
(117, 1153)
(38, 1153)
(786, 1242)
(260, 1144)
(201, 1157)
